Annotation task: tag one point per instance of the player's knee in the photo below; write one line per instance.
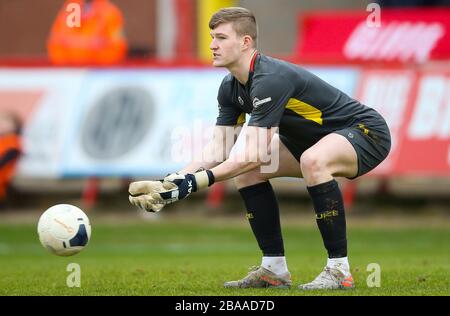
(312, 163)
(248, 179)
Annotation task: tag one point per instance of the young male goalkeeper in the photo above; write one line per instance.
(320, 132)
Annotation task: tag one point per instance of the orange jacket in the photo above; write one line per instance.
(10, 148)
(99, 40)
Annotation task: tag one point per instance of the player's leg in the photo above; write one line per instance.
(347, 153)
(264, 218)
(332, 156)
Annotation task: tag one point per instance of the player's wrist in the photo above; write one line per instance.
(203, 179)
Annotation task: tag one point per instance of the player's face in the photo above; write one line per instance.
(225, 45)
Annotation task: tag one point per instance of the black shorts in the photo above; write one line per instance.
(371, 140)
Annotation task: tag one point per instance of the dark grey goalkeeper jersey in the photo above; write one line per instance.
(303, 106)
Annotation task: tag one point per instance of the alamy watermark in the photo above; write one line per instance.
(374, 18)
(210, 144)
(374, 278)
(74, 277)
(73, 18)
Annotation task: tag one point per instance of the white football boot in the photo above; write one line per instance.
(260, 277)
(330, 279)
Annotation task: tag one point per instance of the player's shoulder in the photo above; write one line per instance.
(271, 72)
(228, 80)
(227, 84)
(269, 68)
(276, 74)
(225, 93)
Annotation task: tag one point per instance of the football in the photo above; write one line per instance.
(64, 229)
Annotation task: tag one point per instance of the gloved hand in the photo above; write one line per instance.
(144, 194)
(180, 186)
(152, 196)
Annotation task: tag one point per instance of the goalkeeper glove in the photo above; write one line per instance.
(143, 194)
(152, 196)
(181, 186)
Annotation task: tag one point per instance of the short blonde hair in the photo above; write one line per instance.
(242, 19)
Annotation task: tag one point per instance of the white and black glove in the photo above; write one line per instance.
(152, 196)
(181, 186)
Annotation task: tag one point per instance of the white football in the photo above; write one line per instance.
(64, 229)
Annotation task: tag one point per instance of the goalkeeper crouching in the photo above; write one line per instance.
(308, 128)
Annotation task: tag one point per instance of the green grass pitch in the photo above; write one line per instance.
(194, 258)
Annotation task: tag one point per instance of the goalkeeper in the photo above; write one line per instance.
(309, 129)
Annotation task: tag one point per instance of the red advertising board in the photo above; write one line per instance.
(416, 106)
(402, 35)
(426, 144)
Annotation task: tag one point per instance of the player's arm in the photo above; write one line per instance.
(249, 152)
(217, 150)
(270, 95)
(252, 148)
(146, 194)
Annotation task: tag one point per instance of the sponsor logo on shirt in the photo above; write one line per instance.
(257, 102)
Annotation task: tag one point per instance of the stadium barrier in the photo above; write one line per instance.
(142, 122)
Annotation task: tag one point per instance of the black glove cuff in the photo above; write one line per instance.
(211, 178)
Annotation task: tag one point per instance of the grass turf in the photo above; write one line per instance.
(186, 258)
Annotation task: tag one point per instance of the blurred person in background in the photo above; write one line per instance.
(98, 40)
(318, 133)
(10, 149)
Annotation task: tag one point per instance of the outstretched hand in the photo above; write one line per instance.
(144, 194)
(152, 196)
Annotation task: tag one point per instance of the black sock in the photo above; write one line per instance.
(330, 217)
(264, 217)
